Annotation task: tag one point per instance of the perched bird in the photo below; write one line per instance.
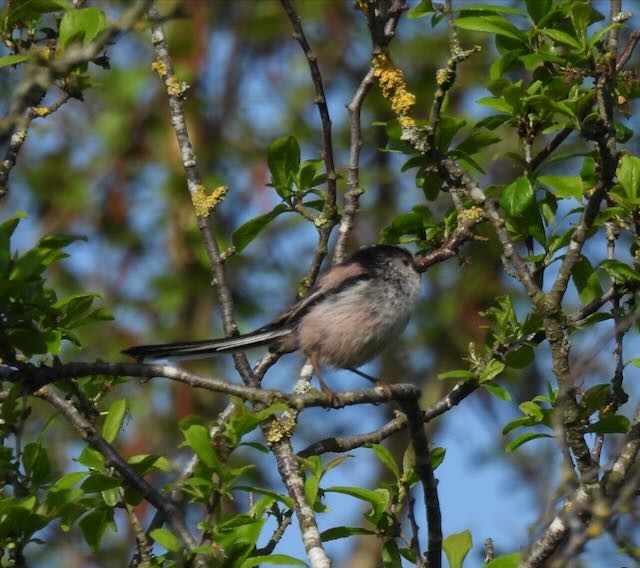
(355, 310)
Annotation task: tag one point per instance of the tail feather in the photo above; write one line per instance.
(207, 347)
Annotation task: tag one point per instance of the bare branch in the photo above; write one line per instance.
(175, 94)
(428, 480)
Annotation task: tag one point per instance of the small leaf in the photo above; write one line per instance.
(84, 24)
(422, 8)
(93, 526)
(523, 439)
(506, 560)
(492, 370)
(517, 196)
(166, 539)
(619, 271)
(458, 374)
(244, 234)
(343, 532)
(436, 456)
(386, 457)
(613, 424)
(280, 559)
(283, 158)
(629, 175)
(564, 186)
(198, 439)
(13, 59)
(497, 391)
(492, 24)
(586, 280)
(496, 104)
(33, 9)
(538, 9)
(113, 422)
(456, 547)
(561, 37)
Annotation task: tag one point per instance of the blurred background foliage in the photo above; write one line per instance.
(107, 167)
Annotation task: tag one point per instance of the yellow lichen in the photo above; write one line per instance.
(469, 215)
(159, 67)
(40, 110)
(394, 89)
(176, 88)
(280, 429)
(204, 203)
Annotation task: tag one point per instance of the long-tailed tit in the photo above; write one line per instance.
(355, 310)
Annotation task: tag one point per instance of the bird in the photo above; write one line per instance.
(355, 310)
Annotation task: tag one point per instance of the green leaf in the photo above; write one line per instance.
(36, 463)
(517, 196)
(517, 423)
(280, 559)
(520, 358)
(523, 439)
(436, 456)
(244, 234)
(586, 280)
(477, 141)
(612, 424)
(491, 370)
(94, 524)
(457, 374)
(91, 458)
(283, 158)
(564, 186)
(83, 24)
(166, 539)
(562, 37)
(25, 10)
(538, 9)
(378, 498)
(113, 422)
(506, 560)
(198, 439)
(491, 24)
(386, 457)
(343, 532)
(456, 547)
(629, 176)
(13, 59)
(422, 8)
(68, 480)
(619, 271)
(491, 8)
(595, 398)
(496, 104)
(97, 482)
(497, 391)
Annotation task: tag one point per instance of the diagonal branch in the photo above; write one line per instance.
(114, 459)
(175, 94)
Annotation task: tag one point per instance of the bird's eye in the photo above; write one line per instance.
(405, 261)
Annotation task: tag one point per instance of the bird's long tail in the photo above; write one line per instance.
(207, 347)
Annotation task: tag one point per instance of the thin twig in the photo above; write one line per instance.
(352, 197)
(328, 217)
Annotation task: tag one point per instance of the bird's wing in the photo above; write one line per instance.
(336, 279)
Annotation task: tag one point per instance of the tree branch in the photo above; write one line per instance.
(115, 460)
